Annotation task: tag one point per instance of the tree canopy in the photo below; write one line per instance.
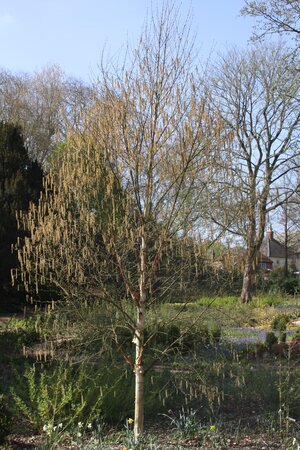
(257, 98)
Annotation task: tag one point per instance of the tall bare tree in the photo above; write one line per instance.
(274, 16)
(256, 97)
(114, 208)
(44, 104)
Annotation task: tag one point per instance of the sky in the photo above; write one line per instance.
(73, 33)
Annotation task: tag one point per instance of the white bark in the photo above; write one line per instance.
(139, 346)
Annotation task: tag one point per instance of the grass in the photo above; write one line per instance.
(218, 311)
(230, 301)
(217, 302)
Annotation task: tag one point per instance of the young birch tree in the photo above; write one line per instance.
(113, 209)
(256, 97)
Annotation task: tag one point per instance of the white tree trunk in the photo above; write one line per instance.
(139, 348)
(139, 401)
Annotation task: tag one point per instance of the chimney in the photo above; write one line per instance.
(269, 232)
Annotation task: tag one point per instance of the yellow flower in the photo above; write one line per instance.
(125, 448)
(212, 428)
(130, 421)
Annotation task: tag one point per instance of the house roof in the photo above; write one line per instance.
(273, 248)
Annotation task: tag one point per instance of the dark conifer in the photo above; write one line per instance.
(20, 183)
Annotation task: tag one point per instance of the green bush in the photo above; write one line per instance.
(271, 339)
(215, 332)
(279, 283)
(280, 322)
(16, 324)
(297, 334)
(4, 419)
(58, 393)
(291, 285)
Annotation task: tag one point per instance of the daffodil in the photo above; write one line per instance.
(212, 428)
(130, 421)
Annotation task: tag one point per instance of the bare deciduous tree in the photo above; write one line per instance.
(256, 97)
(274, 16)
(44, 104)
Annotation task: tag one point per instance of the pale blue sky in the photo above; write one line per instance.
(72, 33)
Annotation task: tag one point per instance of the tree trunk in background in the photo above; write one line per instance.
(246, 295)
(286, 239)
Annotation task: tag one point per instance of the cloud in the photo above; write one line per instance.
(7, 19)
